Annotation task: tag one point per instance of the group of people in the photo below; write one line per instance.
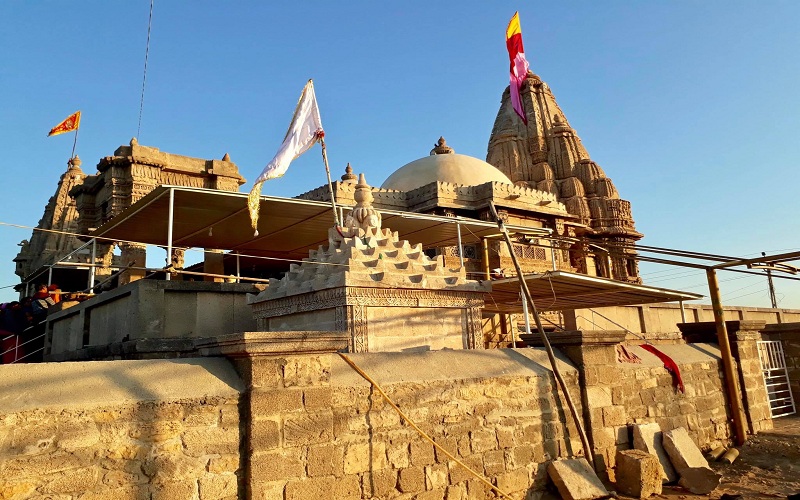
(17, 317)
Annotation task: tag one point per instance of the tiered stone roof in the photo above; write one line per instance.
(548, 155)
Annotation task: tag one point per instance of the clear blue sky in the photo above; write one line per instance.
(690, 107)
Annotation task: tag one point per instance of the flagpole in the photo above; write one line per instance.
(330, 183)
(74, 143)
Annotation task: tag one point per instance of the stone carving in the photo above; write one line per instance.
(519, 150)
(367, 266)
(60, 219)
(363, 216)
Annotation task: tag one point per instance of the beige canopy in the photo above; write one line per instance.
(207, 218)
(561, 290)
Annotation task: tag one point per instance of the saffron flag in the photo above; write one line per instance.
(304, 131)
(519, 65)
(72, 122)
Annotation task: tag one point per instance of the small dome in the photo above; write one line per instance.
(444, 165)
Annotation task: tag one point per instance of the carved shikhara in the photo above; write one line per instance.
(350, 308)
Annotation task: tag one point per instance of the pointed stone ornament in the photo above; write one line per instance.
(227, 157)
(349, 176)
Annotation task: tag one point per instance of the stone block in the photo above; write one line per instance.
(317, 398)
(218, 486)
(73, 481)
(275, 466)
(411, 480)
(307, 371)
(173, 489)
(267, 403)
(648, 438)
(700, 480)
(514, 481)
(422, 453)
(689, 462)
(494, 463)
(225, 463)
(437, 494)
(483, 440)
(363, 457)
(397, 454)
(638, 473)
(325, 460)
(347, 488)
(210, 441)
(265, 435)
(436, 476)
(313, 487)
(598, 396)
(682, 450)
(575, 479)
(265, 490)
(379, 484)
(308, 428)
(614, 416)
(457, 473)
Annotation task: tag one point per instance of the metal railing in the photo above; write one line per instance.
(776, 378)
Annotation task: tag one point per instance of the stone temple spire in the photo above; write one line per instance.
(60, 218)
(548, 155)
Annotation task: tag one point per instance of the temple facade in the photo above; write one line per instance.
(84, 202)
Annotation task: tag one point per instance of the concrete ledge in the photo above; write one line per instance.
(274, 343)
(577, 337)
(398, 367)
(98, 383)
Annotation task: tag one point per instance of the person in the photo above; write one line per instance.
(41, 303)
(55, 293)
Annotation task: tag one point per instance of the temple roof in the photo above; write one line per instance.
(443, 165)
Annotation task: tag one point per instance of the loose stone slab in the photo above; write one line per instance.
(638, 473)
(575, 479)
(647, 438)
(689, 462)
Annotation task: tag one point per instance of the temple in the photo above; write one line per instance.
(292, 363)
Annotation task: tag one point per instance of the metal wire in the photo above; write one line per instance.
(144, 76)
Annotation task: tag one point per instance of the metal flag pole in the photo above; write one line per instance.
(330, 183)
(74, 143)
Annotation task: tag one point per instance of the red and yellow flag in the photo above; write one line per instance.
(519, 65)
(72, 122)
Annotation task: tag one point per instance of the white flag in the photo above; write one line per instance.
(304, 131)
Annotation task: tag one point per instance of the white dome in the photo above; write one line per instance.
(445, 166)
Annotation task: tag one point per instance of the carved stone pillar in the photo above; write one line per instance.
(135, 256)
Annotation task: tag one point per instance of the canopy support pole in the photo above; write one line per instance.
(731, 378)
(170, 220)
(93, 266)
(460, 246)
(587, 450)
(238, 268)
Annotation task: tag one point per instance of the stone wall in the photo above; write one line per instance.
(320, 431)
(659, 321)
(649, 394)
(149, 309)
(120, 429)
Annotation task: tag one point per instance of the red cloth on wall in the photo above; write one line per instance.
(669, 364)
